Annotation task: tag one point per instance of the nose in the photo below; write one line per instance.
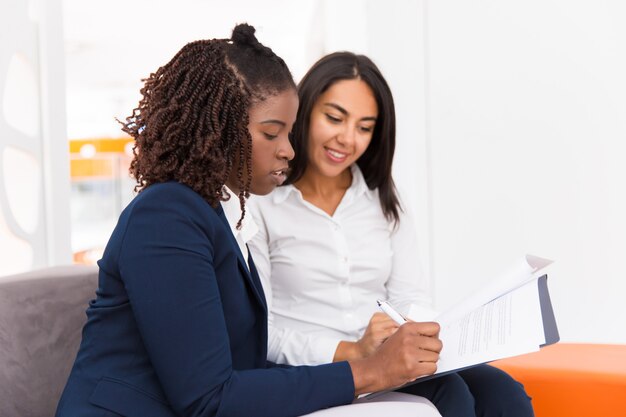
(285, 150)
(347, 136)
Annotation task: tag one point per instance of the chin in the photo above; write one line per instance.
(335, 171)
(262, 190)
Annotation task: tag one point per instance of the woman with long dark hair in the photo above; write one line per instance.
(336, 238)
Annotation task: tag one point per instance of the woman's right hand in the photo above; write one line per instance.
(412, 351)
(379, 328)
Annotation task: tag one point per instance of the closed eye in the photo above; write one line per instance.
(269, 136)
(332, 118)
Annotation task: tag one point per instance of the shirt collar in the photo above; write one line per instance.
(232, 211)
(280, 194)
(358, 187)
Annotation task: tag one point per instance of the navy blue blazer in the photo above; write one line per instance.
(179, 325)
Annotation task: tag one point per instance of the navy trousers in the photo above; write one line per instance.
(481, 391)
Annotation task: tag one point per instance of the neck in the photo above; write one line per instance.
(232, 187)
(314, 184)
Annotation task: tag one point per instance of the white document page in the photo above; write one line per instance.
(507, 326)
(518, 274)
(502, 320)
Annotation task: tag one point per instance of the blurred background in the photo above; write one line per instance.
(511, 128)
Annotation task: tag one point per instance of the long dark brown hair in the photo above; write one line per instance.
(376, 161)
(191, 124)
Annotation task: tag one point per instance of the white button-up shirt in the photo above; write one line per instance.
(232, 211)
(322, 274)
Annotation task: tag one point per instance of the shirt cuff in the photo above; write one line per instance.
(312, 351)
(326, 348)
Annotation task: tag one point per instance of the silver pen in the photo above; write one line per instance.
(391, 312)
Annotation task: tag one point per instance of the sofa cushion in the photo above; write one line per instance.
(41, 316)
(573, 379)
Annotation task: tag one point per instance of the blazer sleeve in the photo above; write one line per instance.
(166, 263)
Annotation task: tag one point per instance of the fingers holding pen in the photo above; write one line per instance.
(380, 327)
(411, 352)
(418, 347)
(422, 335)
(426, 328)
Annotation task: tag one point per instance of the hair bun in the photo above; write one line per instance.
(243, 34)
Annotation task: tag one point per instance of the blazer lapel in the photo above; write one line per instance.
(251, 276)
(254, 275)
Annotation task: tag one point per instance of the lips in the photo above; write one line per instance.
(336, 156)
(279, 175)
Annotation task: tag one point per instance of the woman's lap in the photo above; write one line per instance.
(388, 404)
(496, 392)
(482, 391)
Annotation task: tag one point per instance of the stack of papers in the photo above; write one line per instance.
(511, 316)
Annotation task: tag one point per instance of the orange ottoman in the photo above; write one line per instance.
(572, 380)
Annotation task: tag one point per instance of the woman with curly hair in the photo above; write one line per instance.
(179, 323)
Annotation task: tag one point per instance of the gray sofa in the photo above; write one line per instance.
(41, 316)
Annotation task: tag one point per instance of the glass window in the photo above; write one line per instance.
(100, 188)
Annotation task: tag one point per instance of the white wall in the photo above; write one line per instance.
(34, 173)
(511, 121)
(112, 45)
(392, 34)
(528, 143)
(511, 140)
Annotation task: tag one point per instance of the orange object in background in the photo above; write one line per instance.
(101, 187)
(102, 145)
(99, 157)
(88, 256)
(572, 380)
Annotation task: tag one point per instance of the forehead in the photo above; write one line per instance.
(355, 96)
(282, 106)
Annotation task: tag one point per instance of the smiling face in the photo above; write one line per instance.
(341, 127)
(270, 122)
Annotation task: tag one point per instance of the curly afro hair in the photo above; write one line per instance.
(191, 124)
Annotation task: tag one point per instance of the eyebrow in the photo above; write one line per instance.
(273, 121)
(345, 112)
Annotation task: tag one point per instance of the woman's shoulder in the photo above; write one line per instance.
(274, 208)
(171, 189)
(171, 199)
(169, 193)
(275, 198)
(170, 211)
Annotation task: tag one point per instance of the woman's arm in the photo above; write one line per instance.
(407, 283)
(169, 272)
